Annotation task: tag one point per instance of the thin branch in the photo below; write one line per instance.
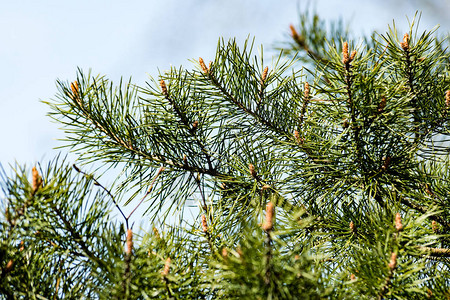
(424, 210)
(148, 191)
(435, 252)
(105, 189)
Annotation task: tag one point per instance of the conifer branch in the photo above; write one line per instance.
(191, 126)
(435, 252)
(78, 238)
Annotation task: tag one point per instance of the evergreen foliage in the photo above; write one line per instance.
(332, 184)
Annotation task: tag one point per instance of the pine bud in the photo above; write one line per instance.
(163, 87)
(252, 170)
(129, 241)
(393, 262)
(352, 277)
(202, 65)
(382, 104)
(21, 246)
(224, 252)
(386, 161)
(8, 266)
(75, 92)
(298, 139)
(352, 226)
(345, 58)
(398, 222)
(195, 125)
(352, 55)
(166, 270)
(74, 87)
(345, 124)
(204, 224)
(156, 233)
(294, 33)
(264, 74)
(270, 210)
(265, 187)
(434, 226)
(36, 180)
(306, 92)
(405, 43)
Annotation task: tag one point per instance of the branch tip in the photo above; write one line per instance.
(203, 66)
(163, 87)
(36, 182)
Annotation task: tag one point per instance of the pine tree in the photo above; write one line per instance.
(328, 181)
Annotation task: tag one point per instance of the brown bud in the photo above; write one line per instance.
(156, 233)
(129, 241)
(447, 99)
(265, 187)
(264, 74)
(298, 139)
(294, 33)
(398, 222)
(270, 211)
(204, 224)
(202, 65)
(296, 257)
(75, 93)
(36, 180)
(195, 125)
(296, 135)
(21, 246)
(224, 252)
(352, 55)
(352, 226)
(405, 43)
(252, 170)
(386, 161)
(306, 92)
(434, 226)
(74, 87)
(429, 293)
(166, 269)
(393, 262)
(352, 277)
(163, 87)
(9, 266)
(382, 104)
(345, 124)
(428, 189)
(185, 159)
(345, 58)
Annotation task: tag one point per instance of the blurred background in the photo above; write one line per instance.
(41, 41)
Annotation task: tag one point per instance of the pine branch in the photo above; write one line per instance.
(435, 252)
